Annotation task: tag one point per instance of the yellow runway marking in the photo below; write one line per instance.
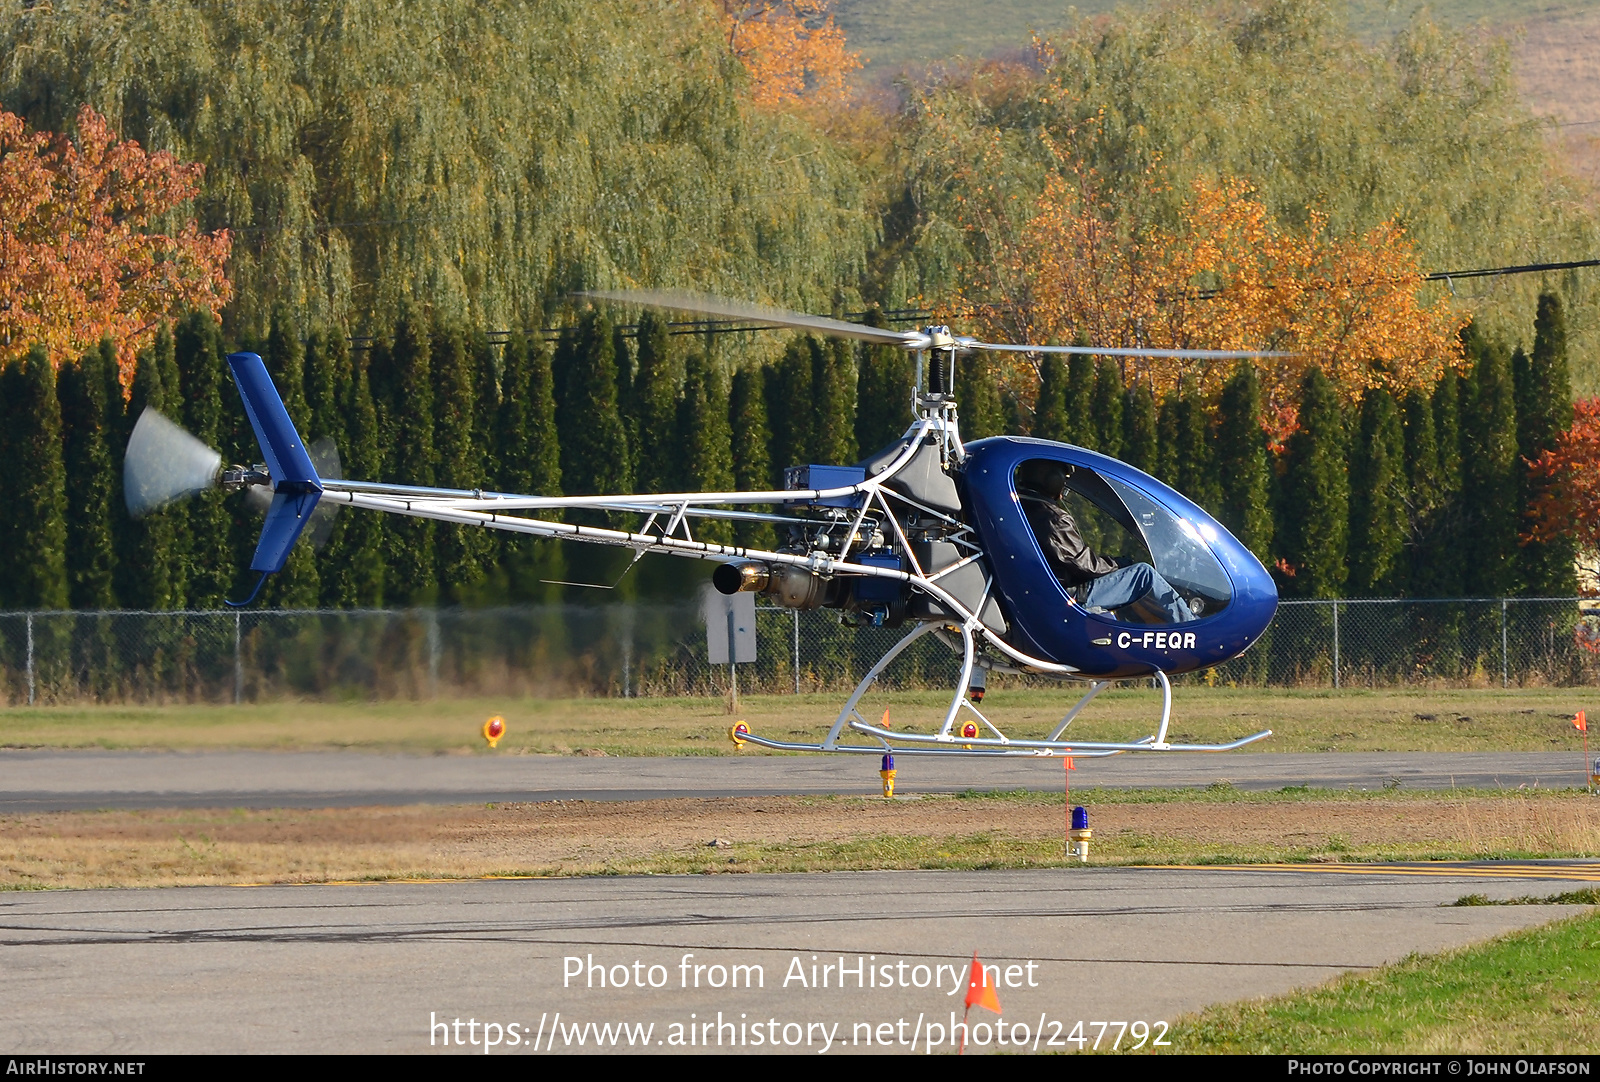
(1581, 873)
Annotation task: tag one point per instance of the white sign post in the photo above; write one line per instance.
(730, 618)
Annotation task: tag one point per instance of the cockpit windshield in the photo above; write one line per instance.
(1118, 551)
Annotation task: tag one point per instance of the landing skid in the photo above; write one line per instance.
(969, 742)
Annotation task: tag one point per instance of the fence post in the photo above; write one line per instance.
(733, 667)
(1505, 668)
(30, 659)
(433, 653)
(797, 651)
(627, 653)
(1336, 645)
(238, 660)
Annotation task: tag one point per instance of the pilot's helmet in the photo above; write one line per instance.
(1044, 477)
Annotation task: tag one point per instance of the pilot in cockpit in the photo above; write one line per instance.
(1098, 583)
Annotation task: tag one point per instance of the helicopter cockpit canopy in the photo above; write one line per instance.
(1122, 524)
(1172, 589)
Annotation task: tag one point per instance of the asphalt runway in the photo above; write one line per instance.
(64, 780)
(391, 967)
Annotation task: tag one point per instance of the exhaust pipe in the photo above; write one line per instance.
(748, 578)
(792, 587)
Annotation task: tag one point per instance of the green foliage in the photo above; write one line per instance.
(704, 447)
(352, 564)
(1314, 520)
(835, 388)
(883, 392)
(1429, 503)
(327, 356)
(1105, 408)
(86, 457)
(1079, 426)
(197, 353)
(528, 459)
(1544, 411)
(1489, 470)
(1051, 421)
(594, 443)
(543, 448)
(484, 156)
(1141, 446)
(1279, 94)
(462, 550)
(145, 569)
(1187, 455)
(1244, 469)
(978, 397)
(485, 403)
(525, 428)
(790, 393)
(401, 379)
(178, 515)
(33, 531)
(1378, 519)
(752, 462)
(656, 387)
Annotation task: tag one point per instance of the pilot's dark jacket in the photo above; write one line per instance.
(1073, 561)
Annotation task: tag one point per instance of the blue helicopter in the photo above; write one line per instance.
(930, 533)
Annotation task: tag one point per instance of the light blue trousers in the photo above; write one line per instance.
(1126, 585)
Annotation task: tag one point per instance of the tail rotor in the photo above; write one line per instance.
(165, 464)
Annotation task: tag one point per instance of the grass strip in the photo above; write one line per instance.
(1403, 719)
(1528, 992)
(1586, 896)
(169, 847)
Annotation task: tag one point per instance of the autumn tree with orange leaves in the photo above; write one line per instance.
(791, 49)
(1228, 277)
(1568, 485)
(81, 255)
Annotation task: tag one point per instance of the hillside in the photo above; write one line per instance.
(1555, 44)
(893, 33)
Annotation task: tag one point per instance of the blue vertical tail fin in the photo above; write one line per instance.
(296, 486)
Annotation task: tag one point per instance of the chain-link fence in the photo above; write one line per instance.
(641, 649)
(1502, 642)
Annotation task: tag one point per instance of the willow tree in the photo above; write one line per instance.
(529, 148)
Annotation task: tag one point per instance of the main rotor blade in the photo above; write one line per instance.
(164, 464)
(1126, 351)
(729, 309)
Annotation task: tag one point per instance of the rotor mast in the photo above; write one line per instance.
(933, 399)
